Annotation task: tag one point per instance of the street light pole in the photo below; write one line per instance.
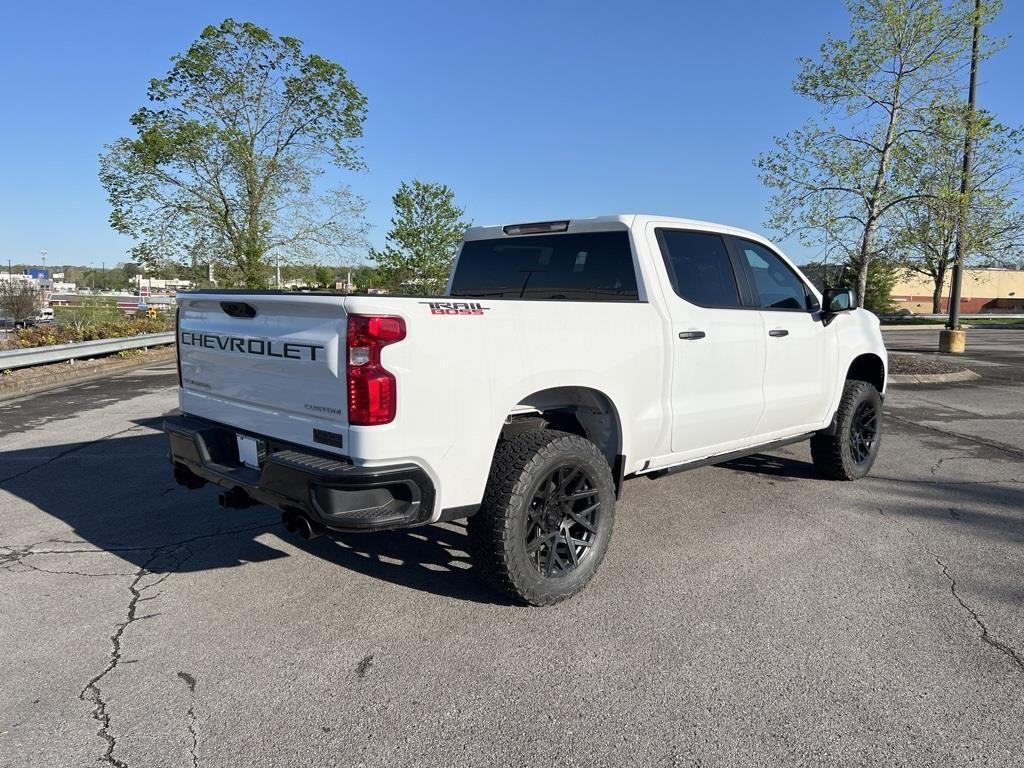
(953, 339)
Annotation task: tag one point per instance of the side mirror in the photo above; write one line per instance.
(839, 300)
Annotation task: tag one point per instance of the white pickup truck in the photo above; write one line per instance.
(564, 357)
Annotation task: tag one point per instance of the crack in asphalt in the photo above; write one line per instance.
(69, 451)
(946, 406)
(67, 573)
(946, 433)
(986, 636)
(364, 665)
(16, 554)
(92, 692)
(940, 482)
(938, 464)
(191, 717)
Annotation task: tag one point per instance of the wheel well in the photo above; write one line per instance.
(868, 368)
(579, 410)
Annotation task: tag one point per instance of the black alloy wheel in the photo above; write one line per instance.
(563, 521)
(863, 431)
(546, 518)
(848, 448)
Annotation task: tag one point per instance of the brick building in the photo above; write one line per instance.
(983, 290)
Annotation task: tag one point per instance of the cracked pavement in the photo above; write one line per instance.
(749, 614)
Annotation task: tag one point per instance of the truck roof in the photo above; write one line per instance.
(616, 221)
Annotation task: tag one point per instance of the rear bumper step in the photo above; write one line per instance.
(327, 489)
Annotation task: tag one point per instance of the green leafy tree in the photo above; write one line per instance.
(835, 180)
(227, 164)
(924, 235)
(129, 270)
(365, 277)
(425, 234)
(323, 277)
(877, 296)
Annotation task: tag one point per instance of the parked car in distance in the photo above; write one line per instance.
(42, 317)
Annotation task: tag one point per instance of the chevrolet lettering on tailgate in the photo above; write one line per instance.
(292, 350)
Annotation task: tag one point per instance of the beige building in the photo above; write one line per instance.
(983, 290)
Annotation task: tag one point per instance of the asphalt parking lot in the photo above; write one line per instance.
(749, 614)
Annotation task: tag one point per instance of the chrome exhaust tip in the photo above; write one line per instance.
(308, 529)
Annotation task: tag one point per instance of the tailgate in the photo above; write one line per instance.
(248, 359)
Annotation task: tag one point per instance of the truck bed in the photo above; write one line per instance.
(274, 364)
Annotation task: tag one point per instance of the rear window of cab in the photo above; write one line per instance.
(585, 266)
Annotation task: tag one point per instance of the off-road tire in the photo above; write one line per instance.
(834, 454)
(497, 532)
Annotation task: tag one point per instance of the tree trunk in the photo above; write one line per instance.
(873, 203)
(865, 262)
(939, 281)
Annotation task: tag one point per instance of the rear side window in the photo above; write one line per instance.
(699, 267)
(777, 285)
(589, 266)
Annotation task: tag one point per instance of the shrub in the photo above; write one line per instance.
(82, 330)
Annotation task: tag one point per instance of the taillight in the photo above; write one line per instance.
(372, 389)
(177, 340)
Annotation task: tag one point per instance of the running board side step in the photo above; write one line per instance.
(721, 458)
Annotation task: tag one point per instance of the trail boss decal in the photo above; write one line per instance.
(455, 307)
(292, 350)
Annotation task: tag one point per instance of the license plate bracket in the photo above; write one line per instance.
(249, 450)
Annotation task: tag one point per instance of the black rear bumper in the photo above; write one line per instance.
(325, 488)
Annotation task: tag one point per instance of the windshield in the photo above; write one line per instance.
(590, 266)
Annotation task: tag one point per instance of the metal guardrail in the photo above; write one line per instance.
(59, 353)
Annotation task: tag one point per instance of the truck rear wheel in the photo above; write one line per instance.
(546, 518)
(849, 452)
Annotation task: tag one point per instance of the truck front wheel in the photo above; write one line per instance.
(847, 451)
(546, 518)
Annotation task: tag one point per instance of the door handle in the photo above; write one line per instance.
(692, 335)
(777, 332)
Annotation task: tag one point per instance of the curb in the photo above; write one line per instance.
(63, 374)
(916, 327)
(977, 325)
(932, 378)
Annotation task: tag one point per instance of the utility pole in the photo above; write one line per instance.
(954, 339)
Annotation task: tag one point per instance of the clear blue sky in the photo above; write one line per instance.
(527, 109)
